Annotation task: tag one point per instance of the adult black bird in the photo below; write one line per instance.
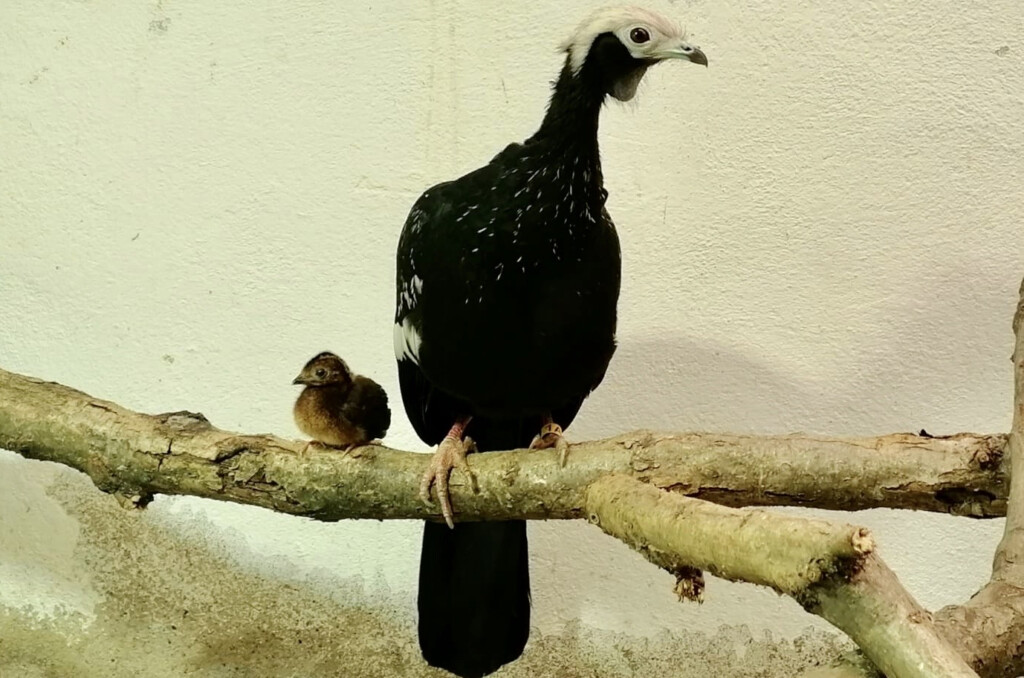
(507, 285)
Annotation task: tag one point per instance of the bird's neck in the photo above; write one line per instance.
(572, 115)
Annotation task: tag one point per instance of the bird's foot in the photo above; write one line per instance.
(551, 436)
(315, 444)
(451, 453)
(357, 447)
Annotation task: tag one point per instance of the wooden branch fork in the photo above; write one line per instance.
(681, 500)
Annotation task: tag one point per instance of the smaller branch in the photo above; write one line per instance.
(783, 552)
(830, 569)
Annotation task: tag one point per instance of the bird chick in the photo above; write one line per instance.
(337, 408)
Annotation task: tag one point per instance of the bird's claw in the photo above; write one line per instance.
(451, 453)
(345, 451)
(315, 444)
(350, 450)
(551, 436)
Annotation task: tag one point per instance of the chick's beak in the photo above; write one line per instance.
(685, 51)
(298, 380)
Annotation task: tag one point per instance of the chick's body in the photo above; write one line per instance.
(338, 408)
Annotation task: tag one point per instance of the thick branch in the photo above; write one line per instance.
(830, 569)
(989, 629)
(138, 455)
(1009, 560)
(891, 628)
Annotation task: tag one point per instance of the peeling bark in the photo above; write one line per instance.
(136, 455)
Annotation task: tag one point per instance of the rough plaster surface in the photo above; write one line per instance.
(821, 232)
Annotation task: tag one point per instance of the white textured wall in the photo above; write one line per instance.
(821, 232)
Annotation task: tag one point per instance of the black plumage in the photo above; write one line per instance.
(507, 285)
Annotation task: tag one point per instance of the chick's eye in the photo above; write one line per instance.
(321, 373)
(639, 35)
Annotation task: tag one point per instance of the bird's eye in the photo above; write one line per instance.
(321, 373)
(639, 35)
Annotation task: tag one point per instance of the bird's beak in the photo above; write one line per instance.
(298, 380)
(685, 51)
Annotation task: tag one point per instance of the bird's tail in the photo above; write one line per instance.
(474, 596)
(474, 588)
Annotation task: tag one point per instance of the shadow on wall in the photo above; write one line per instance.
(666, 383)
(960, 334)
(927, 360)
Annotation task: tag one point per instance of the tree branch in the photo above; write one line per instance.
(830, 569)
(137, 455)
(1009, 560)
(891, 628)
(615, 482)
(989, 629)
(786, 553)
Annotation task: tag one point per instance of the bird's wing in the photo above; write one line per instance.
(408, 284)
(417, 395)
(417, 391)
(511, 150)
(367, 406)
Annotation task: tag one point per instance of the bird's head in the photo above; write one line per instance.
(324, 369)
(619, 44)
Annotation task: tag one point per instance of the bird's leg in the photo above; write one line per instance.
(551, 436)
(451, 453)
